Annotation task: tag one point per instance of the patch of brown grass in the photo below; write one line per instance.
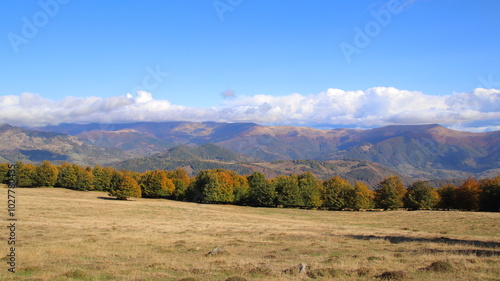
(71, 235)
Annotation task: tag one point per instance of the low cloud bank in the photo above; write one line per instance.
(477, 110)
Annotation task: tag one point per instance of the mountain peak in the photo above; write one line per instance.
(6, 127)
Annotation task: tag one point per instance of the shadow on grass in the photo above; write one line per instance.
(444, 240)
(478, 253)
(107, 198)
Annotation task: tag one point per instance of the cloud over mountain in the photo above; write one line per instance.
(476, 110)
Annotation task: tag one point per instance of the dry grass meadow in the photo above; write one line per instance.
(71, 235)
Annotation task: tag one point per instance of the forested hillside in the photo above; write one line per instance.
(210, 156)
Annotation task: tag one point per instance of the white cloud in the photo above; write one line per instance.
(477, 110)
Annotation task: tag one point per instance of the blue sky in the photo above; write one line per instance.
(186, 53)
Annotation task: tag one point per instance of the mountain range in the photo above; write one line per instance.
(418, 151)
(210, 156)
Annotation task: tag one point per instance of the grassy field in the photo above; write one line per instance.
(71, 235)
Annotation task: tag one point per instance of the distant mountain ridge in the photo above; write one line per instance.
(210, 156)
(18, 144)
(420, 151)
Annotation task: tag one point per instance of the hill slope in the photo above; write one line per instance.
(29, 146)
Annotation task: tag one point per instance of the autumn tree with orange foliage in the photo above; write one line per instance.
(181, 181)
(156, 184)
(467, 195)
(228, 187)
(123, 186)
(25, 174)
(217, 186)
(338, 194)
(363, 197)
(46, 174)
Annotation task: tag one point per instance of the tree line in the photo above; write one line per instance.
(293, 191)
